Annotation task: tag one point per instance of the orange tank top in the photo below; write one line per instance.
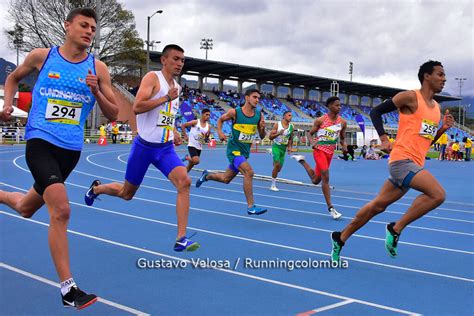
(416, 131)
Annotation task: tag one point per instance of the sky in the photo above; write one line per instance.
(386, 40)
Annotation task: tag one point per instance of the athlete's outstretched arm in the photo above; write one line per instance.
(342, 136)
(316, 125)
(261, 126)
(230, 115)
(146, 92)
(274, 132)
(33, 61)
(187, 124)
(102, 90)
(404, 101)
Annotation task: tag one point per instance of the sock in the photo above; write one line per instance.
(274, 180)
(337, 237)
(66, 285)
(391, 230)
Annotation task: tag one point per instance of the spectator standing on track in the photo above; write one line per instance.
(468, 146)
(443, 142)
(115, 132)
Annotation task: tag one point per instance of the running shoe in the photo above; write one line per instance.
(90, 195)
(337, 245)
(78, 299)
(184, 158)
(202, 179)
(185, 244)
(255, 210)
(391, 240)
(274, 188)
(335, 214)
(298, 158)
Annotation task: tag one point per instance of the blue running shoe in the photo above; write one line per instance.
(202, 179)
(185, 244)
(90, 195)
(255, 210)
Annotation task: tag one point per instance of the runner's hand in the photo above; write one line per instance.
(173, 93)
(6, 113)
(386, 145)
(93, 82)
(222, 137)
(448, 120)
(177, 139)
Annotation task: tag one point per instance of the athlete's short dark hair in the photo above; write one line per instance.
(86, 11)
(171, 47)
(331, 100)
(427, 68)
(284, 113)
(250, 91)
(205, 111)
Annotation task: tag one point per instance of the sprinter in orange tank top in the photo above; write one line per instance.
(418, 128)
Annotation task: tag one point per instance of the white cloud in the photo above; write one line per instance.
(386, 40)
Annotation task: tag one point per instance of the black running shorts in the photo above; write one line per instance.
(49, 163)
(193, 152)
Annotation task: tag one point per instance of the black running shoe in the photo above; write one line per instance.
(78, 299)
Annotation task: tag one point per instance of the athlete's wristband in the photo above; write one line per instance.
(168, 98)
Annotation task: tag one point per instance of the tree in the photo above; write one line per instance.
(42, 23)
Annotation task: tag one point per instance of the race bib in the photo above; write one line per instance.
(247, 132)
(428, 129)
(328, 134)
(165, 120)
(64, 112)
(246, 138)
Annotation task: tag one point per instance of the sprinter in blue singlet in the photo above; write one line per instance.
(70, 81)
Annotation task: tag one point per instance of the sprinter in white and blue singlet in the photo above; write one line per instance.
(156, 106)
(70, 81)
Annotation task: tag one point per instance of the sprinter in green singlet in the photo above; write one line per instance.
(246, 123)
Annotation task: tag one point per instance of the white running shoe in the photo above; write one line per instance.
(335, 214)
(269, 150)
(298, 157)
(274, 188)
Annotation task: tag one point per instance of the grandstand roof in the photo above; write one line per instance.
(217, 69)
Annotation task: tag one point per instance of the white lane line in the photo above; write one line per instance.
(277, 197)
(241, 274)
(272, 207)
(332, 194)
(52, 283)
(325, 308)
(267, 243)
